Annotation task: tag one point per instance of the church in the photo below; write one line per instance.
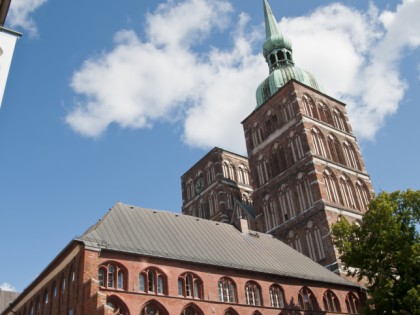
(254, 237)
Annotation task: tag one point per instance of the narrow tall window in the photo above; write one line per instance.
(252, 293)
(353, 304)
(307, 300)
(348, 192)
(227, 290)
(276, 296)
(331, 187)
(152, 281)
(331, 302)
(362, 194)
(111, 276)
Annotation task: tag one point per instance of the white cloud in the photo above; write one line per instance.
(164, 77)
(7, 287)
(20, 15)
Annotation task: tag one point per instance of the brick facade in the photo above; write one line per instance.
(212, 187)
(306, 168)
(85, 293)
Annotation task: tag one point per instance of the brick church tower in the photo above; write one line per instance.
(306, 167)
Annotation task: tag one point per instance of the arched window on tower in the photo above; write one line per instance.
(295, 144)
(331, 302)
(270, 213)
(278, 159)
(227, 290)
(307, 300)
(353, 304)
(318, 141)
(309, 107)
(324, 113)
(348, 192)
(294, 241)
(213, 204)
(271, 122)
(335, 149)
(262, 170)
(210, 173)
(314, 241)
(304, 192)
(190, 189)
(243, 177)
(252, 293)
(331, 187)
(363, 194)
(287, 203)
(350, 154)
(277, 296)
(339, 120)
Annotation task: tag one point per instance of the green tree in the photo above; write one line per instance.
(385, 250)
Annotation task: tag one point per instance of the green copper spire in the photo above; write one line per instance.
(277, 50)
(274, 37)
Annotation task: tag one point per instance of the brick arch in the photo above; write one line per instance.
(230, 311)
(192, 309)
(154, 306)
(119, 307)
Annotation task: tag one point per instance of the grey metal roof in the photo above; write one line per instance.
(180, 237)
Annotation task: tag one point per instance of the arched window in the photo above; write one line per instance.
(112, 276)
(294, 241)
(270, 213)
(287, 203)
(63, 284)
(213, 204)
(309, 107)
(46, 297)
(228, 170)
(210, 173)
(152, 281)
(190, 285)
(72, 275)
(307, 300)
(363, 194)
(314, 241)
(335, 149)
(351, 156)
(252, 293)
(277, 296)
(330, 182)
(348, 192)
(304, 192)
(117, 305)
(295, 144)
(153, 308)
(230, 311)
(54, 290)
(190, 189)
(277, 159)
(324, 113)
(331, 302)
(227, 290)
(192, 309)
(243, 175)
(257, 313)
(31, 309)
(339, 120)
(262, 170)
(319, 143)
(352, 303)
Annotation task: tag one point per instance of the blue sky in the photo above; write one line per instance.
(114, 100)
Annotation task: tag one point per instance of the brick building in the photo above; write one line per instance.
(218, 188)
(141, 261)
(306, 169)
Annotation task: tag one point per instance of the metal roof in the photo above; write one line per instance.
(174, 236)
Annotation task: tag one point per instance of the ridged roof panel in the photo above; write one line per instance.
(179, 237)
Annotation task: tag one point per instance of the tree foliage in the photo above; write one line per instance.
(385, 250)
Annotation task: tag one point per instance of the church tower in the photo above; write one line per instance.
(306, 167)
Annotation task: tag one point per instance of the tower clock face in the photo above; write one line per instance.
(199, 185)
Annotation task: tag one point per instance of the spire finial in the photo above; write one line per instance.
(271, 27)
(274, 37)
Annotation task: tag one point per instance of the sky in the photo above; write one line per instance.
(113, 101)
